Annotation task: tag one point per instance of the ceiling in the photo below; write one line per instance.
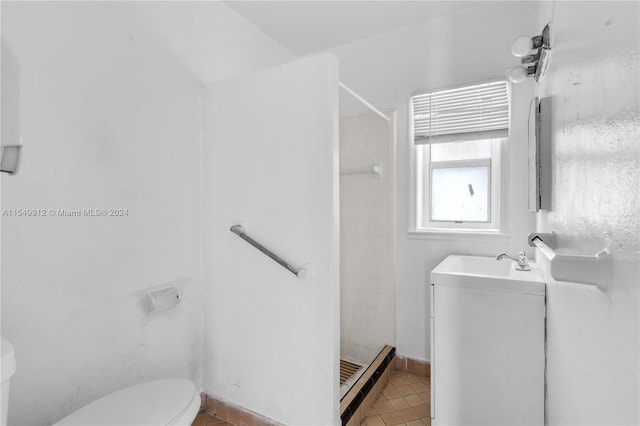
(304, 27)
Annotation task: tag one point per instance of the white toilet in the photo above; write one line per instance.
(164, 402)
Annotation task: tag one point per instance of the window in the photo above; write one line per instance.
(458, 136)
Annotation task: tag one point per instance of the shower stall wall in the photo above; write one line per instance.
(271, 165)
(367, 290)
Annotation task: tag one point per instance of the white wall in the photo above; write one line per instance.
(271, 161)
(111, 118)
(593, 81)
(210, 38)
(367, 281)
(386, 69)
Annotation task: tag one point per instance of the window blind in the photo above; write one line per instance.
(479, 111)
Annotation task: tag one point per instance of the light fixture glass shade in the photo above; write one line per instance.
(518, 74)
(522, 46)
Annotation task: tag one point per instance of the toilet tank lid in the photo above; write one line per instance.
(8, 360)
(154, 403)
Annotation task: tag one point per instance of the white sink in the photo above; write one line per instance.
(487, 272)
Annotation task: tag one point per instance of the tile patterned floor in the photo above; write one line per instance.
(206, 419)
(404, 401)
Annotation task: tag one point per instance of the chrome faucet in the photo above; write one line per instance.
(522, 261)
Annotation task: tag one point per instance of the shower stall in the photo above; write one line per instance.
(367, 290)
(274, 147)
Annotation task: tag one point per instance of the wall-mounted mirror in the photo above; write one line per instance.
(540, 155)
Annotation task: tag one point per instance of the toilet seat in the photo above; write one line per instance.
(164, 402)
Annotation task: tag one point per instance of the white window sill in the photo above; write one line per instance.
(458, 234)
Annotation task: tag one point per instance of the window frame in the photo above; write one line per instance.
(422, 196)
(498, 226)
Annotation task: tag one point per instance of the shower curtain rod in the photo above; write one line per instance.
(363, 101)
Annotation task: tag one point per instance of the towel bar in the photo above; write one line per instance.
(376, 169)
(298, 272)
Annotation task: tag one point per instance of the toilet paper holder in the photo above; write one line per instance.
(163, 299)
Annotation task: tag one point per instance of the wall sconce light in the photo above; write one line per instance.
(533, 52)
(10, 162)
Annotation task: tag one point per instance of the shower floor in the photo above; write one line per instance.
(347, 370)
(350, 372)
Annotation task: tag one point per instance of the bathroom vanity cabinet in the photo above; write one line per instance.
(487, 343)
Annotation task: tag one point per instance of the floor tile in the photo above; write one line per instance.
(405, 390)
(422, 410)
(373, 421)
(419, 387)
(390, 392)
(201, 420)
(382, 405)
(414, 400)
(391, 418)
(407, 414)
(404, 401)
(399, 381)
(206, 419)
(398, 404)
(414, 379)
(424, 379)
